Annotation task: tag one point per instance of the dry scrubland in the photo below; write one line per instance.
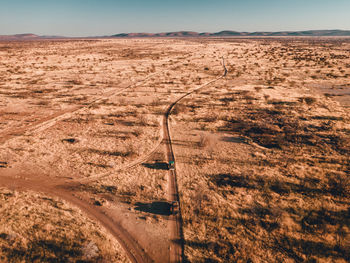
(38, 228)
(262, 156)
(264, 159)
(86, 115)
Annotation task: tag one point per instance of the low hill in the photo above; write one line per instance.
(19, 37)
(229, 33)
(225, 33)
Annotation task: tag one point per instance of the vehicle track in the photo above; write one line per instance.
(161, 139)
(41, 184)
(48, 121)
(176, 230)
(175, 225)
(134, 163)
(60, 187)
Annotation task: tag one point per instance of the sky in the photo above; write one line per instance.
(108, 17)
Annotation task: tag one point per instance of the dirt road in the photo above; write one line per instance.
(64, 189)
(61, 189)
(175, 223)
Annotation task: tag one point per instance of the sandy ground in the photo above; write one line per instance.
(88, 115)
(35, 227)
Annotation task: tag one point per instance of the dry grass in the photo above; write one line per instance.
(261, 156)
(275, 186)
(112, 128)
(37, 228)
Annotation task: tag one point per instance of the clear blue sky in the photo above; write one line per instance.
(106, 17)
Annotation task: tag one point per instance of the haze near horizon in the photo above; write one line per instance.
(107, 17)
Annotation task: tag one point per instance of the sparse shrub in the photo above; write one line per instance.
(137, 132)
(314, 221)
(178, 109)
(203, 140)
(309, 100)
(70, 140)
(130, 150)
(280, 187)
(143, 120)
(266, 97)
(258, 89)
(339, 185)
(75, 82)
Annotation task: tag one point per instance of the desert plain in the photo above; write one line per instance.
(259, 130)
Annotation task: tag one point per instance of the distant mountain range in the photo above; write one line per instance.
(26, 37)
(226, 33)
(17, 37)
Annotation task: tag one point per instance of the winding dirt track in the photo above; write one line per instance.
(175, 224)
(60, 188)
(63, 189)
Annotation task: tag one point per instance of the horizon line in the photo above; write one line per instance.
(177, 31)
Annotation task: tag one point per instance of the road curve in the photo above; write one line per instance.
(176, 231)
(160, 141)
(62, 190)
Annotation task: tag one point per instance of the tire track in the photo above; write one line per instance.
(176, 224)
(133, 250)
(59, 187)
(49, 121)
(161, 139)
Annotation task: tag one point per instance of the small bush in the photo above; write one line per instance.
(308, 100)
(178, 109)
(203, 140)
(339, 185)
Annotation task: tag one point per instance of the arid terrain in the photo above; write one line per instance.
(259, 130)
